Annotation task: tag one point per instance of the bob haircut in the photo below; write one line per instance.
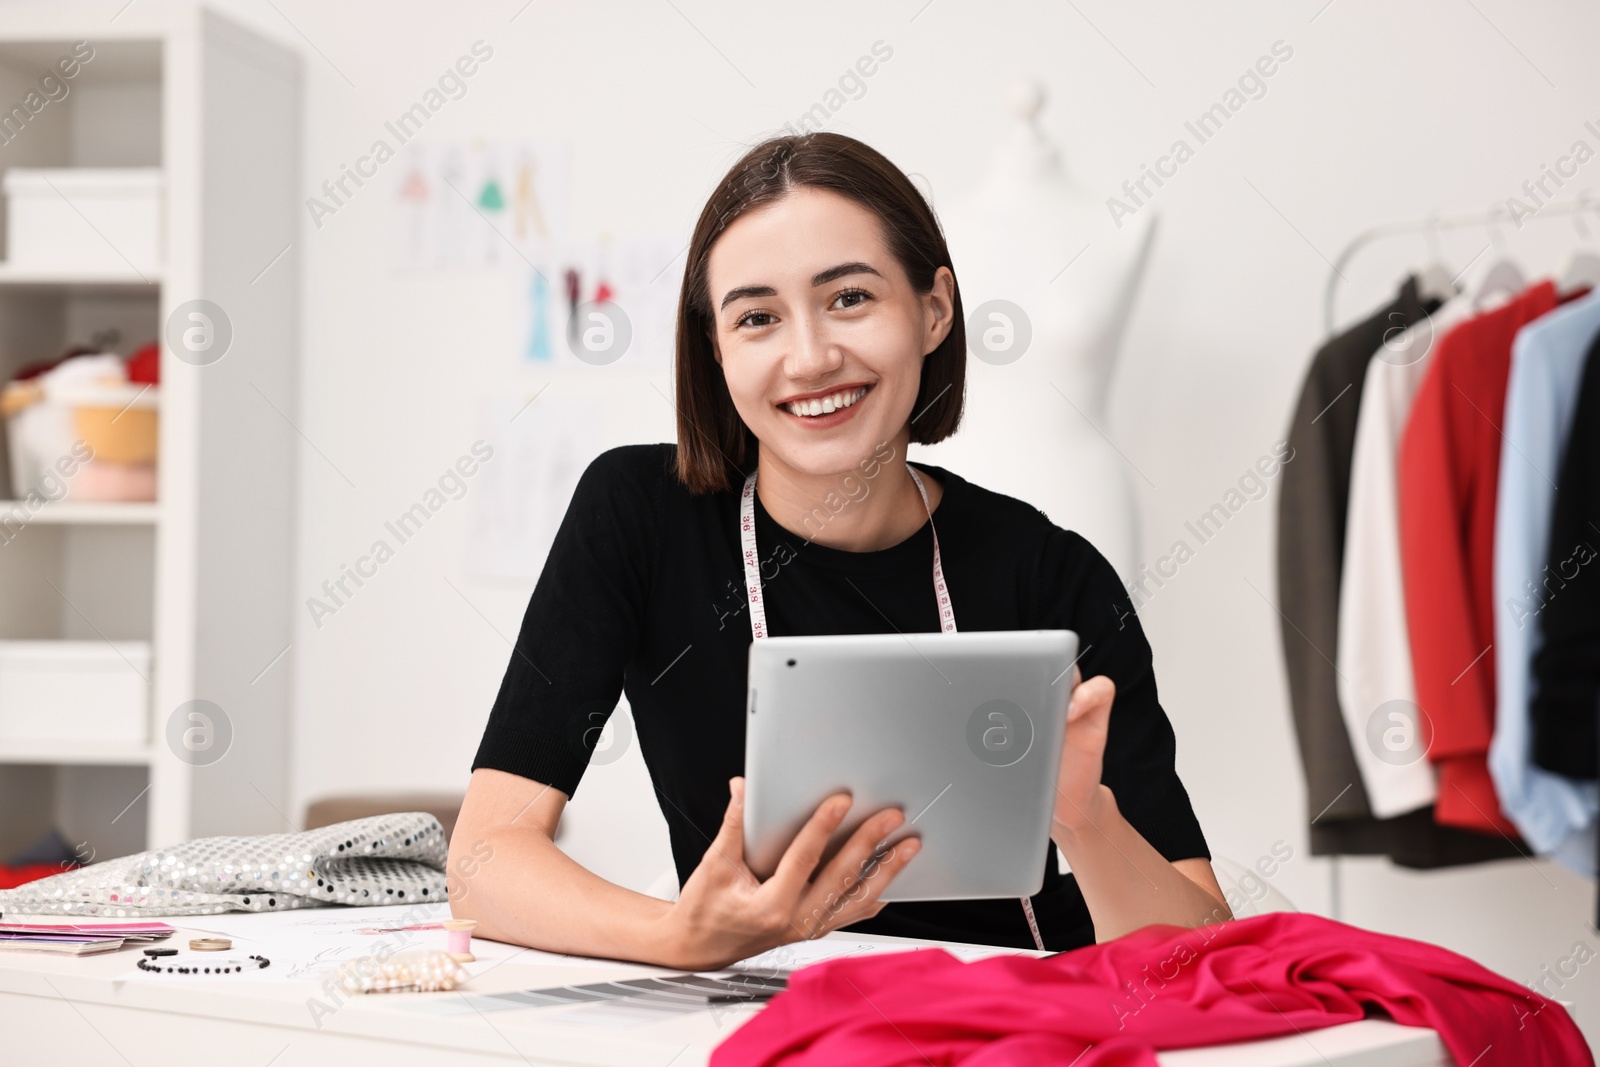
(714, 445)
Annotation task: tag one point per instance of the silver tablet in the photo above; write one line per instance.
(962, 731)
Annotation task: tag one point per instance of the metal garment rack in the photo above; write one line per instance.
(1430, 228)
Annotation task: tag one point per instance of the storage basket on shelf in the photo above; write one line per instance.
(74, 691)
(84, 219)
(83, 430)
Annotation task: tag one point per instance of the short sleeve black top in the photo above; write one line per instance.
(643, 592)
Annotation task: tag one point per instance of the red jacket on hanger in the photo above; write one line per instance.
(1162, 987)
(1448, 476)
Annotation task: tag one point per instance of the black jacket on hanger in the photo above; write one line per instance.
(1566, 666)
(1313, 501)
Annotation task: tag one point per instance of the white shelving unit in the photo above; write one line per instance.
(77, 282)
(74, 513)
(204, 573)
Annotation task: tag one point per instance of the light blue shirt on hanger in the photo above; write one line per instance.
(1554, 814)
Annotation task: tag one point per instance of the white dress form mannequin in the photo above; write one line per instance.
(1013, 240)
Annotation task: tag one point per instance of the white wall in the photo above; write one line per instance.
(1385, 112)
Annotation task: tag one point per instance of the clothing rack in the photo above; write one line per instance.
(1431, 226)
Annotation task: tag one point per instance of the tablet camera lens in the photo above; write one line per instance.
(791, 663)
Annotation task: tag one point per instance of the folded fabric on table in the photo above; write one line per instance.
(384, 859)
(1163, 987)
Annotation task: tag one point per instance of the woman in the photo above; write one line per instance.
(819, 333)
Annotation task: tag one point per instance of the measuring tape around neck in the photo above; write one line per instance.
(752, 562)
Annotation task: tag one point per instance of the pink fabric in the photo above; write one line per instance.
(1163, 987)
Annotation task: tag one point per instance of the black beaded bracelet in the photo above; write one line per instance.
(224, 966)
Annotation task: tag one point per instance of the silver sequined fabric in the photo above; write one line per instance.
(385, 859)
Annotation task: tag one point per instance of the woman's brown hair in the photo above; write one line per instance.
(714, 445)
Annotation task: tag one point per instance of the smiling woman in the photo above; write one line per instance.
(819, 329)
(891, 282)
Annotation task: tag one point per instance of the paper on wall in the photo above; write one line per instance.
(543, 440)
(476, 204)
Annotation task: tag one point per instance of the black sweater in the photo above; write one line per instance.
(643, 591)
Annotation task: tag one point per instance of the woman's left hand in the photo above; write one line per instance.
(1125, 882)
(1080, 798)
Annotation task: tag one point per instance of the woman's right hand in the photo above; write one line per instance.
(724, 913)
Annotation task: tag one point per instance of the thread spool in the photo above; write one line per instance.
(458, 939)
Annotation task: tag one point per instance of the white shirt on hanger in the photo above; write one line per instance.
(1374, 644)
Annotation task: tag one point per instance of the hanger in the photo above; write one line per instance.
(1503, 275)
(1583, 268)
(1436, 281)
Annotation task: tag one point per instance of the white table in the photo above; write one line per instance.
(76, 1010)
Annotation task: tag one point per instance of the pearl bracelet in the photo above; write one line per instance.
(422, 971)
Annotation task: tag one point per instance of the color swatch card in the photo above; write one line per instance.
(78, 939)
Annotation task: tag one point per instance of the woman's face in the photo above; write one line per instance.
(809, 302)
